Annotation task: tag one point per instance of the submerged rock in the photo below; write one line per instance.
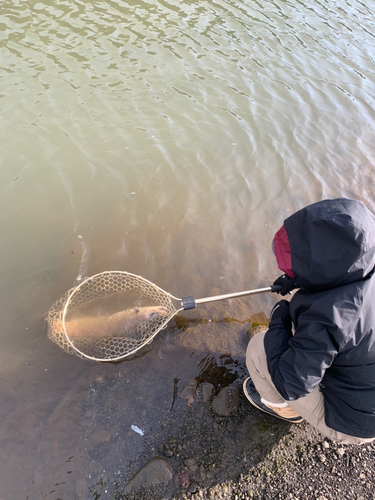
(207, 390)
(226, 402)
(259, 319)
(156, 471)
(98, 437)
(189, 390)
(253, 330)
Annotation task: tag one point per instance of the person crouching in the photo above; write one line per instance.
(316, 361)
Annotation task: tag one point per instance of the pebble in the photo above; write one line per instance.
(193, 488)
(207, 390)
(191, 464)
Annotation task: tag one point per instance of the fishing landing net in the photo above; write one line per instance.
(113, 314)
(111, 292)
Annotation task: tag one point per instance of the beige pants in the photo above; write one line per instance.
(311, 407)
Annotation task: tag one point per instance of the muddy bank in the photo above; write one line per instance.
(232, 451)
(210, 443)
(169, 424)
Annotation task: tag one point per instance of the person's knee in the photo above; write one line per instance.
(256, 344)
(255, 353)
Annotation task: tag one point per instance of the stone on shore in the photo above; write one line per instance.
(253, 330)
(226, 402)
(156, 471)
(207, 390)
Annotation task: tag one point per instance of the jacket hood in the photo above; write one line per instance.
(331, 243)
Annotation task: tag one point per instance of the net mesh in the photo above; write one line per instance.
(108, 295)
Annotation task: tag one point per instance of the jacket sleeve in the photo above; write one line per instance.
(297, 363)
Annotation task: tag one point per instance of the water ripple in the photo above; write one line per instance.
(172, 138)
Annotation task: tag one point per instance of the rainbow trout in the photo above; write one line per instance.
(113, 325)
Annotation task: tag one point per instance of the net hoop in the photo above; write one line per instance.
(66, 303)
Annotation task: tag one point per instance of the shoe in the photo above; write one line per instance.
(287, 413)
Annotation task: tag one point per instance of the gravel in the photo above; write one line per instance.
(245, 455)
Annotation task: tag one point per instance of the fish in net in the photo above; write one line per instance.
(135, 310)
(113, 314)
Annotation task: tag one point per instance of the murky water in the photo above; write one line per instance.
(169, 139)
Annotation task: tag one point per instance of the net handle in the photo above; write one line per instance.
(191, 302)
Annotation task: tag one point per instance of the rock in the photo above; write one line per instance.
(189, 390)
(207, 390)
(202, 472)
(226, 402)
(259, 319)
(184, 480)
(191, 464)
(193, 488)
(253, 330)
(259, 323)
(156, 471)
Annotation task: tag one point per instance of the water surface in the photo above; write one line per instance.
(169, 139)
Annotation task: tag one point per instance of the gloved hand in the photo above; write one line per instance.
(286, 283)
(281, 310)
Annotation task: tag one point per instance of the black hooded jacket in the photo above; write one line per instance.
(332, 245)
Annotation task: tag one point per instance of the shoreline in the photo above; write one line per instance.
(198, 453)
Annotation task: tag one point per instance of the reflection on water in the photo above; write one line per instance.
(170, 140)
(219, 371)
